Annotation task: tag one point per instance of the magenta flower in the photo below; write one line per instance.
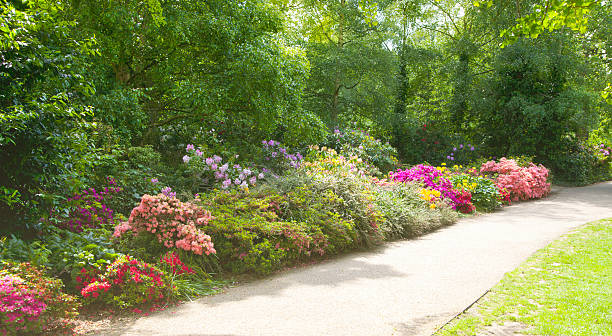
(190, 147)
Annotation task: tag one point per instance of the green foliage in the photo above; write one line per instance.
(45, 143)
(351, 142)
(549, 16)
(138, 171)
(579, 165)
(532, 102)
(249, 234)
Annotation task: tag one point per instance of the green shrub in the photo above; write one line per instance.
(360, 143)
(249, 234)
(138, 171)
(406, 214)
(579, 165)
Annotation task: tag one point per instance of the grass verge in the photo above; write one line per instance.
(563, 289)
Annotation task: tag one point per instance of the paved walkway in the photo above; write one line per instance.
(404, 288)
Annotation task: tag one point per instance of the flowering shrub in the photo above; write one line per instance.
(212, 171)
(89, 209)
(172, 262)
(128, 282)
(484, 193)
(175, 224)
(359, 143)
(603, 152)
(86, 276)
(30, 302)
(464, 204)
(278, 158)
(434, 179)
(521, 183)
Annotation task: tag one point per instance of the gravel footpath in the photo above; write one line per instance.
(403, 288)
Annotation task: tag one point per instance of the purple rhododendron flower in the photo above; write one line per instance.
(226, 183)
(209, 161)
(252, 180)
(261, 175)
(186, 158)
(223, 168)
(154, 180)
(199, 153)
(217, 158)
(190, 147)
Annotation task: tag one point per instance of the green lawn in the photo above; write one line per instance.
(563, 289)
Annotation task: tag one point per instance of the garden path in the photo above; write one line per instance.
(403, 288)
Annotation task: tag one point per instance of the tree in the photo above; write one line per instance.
(45, 148)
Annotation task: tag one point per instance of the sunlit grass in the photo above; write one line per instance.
(563, 289)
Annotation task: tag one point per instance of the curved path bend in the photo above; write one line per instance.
(403, 288)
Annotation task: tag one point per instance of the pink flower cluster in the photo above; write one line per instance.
(434, 179)
(521, 183)
(19, 305)
(174, 223)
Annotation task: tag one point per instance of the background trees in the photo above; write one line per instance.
(94, 88)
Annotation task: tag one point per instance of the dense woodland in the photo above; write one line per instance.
(143, 96)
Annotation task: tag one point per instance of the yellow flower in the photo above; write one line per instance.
(432, 206)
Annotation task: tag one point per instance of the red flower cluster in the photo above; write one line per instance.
(128, 282)
(175, 264)
(464, 202)
(86, 276)
(95, 288)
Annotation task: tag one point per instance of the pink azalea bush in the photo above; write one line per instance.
(31, 302)
(520, 183)
(175, 224)
(432, 178)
